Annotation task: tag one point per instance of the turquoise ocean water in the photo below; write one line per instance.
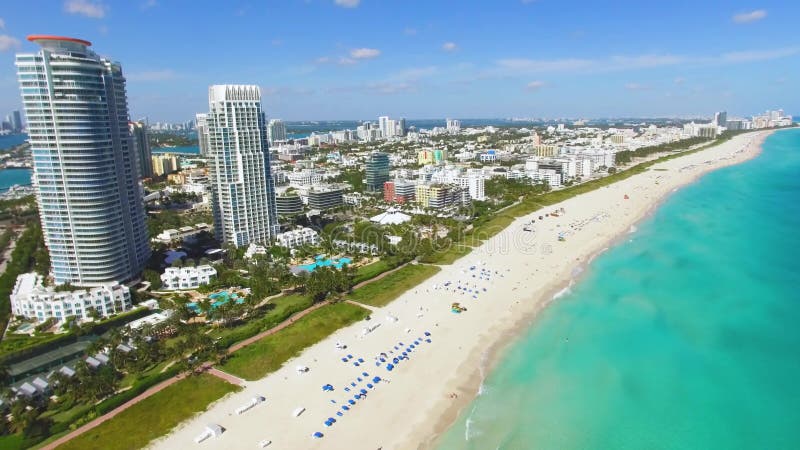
(684, 336)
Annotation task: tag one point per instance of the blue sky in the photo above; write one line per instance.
(356, 59)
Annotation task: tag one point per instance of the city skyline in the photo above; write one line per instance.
(444, 60)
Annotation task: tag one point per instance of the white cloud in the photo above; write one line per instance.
(149, 4)
(758, 55)
(8, 43)
(534, 86)
(752, 16)
(636, 87)
(390, 88)
(364, 53)
(94, 10)
(449, 46)
(152, 75)
(323, 60)
(344, 61)
(2, 24)
(347, 3)
(415, 73)
(523, 65)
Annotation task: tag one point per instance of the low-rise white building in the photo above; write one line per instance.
(175, 278)
(297, 238)
(31, 299)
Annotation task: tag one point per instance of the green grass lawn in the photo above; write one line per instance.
(153, 417)
(364, 273)
(388, 288)
(276, 311)
(267, 355)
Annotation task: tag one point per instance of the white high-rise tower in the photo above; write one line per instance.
(242, 187)
(85, 173)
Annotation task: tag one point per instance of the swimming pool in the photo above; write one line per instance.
(321, 261)
(220, 299)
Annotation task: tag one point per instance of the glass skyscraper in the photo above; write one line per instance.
(85, 170)
(243, 191)
(377, 171)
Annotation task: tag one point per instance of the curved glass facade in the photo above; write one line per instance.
(86, 172)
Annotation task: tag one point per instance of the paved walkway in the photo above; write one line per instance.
(276, 328)
(225, 376)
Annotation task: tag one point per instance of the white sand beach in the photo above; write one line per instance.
(508, 280)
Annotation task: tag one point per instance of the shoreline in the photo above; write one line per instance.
(474, 342)
(495, 354)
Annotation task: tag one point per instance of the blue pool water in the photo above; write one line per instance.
(220, 299)
(321, 261)
(684, 337)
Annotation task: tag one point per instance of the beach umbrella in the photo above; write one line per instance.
(427, 333)
(346, 408)
(370, 386)
(376, 379)
(365, 374)
(361, 360)
(347, 389)
(327, 424)
(356, 364)
(339, 413)
(352, 383)
(428, 341)
(404, 353)
(349, 356)
(317, 435)
(377, 363)
(357, 396)
(352, 402)
(363, 391)
(412, 345)
(383, 359)
(359, 379)
(331, 419)
(344, 359)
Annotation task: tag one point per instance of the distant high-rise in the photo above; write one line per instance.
(142, 148)
(276, 131)
(16, 121)
(720, 118)
(202, 135)
(453, 125)
(377, 171)
(383, 125)
(85, 173)
(243, 190)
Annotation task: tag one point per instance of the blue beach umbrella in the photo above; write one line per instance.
(346, 408)
(317, 435)
(370, 386)
(347, 389)
(365, 374)
(363, 391)
(344, 359)
(339, 413)
(376, 379)
(427, 333)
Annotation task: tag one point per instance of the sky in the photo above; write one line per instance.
(358, 59)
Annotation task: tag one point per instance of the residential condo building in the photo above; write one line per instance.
(243, 190)
(142, 149)
(86, 173)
